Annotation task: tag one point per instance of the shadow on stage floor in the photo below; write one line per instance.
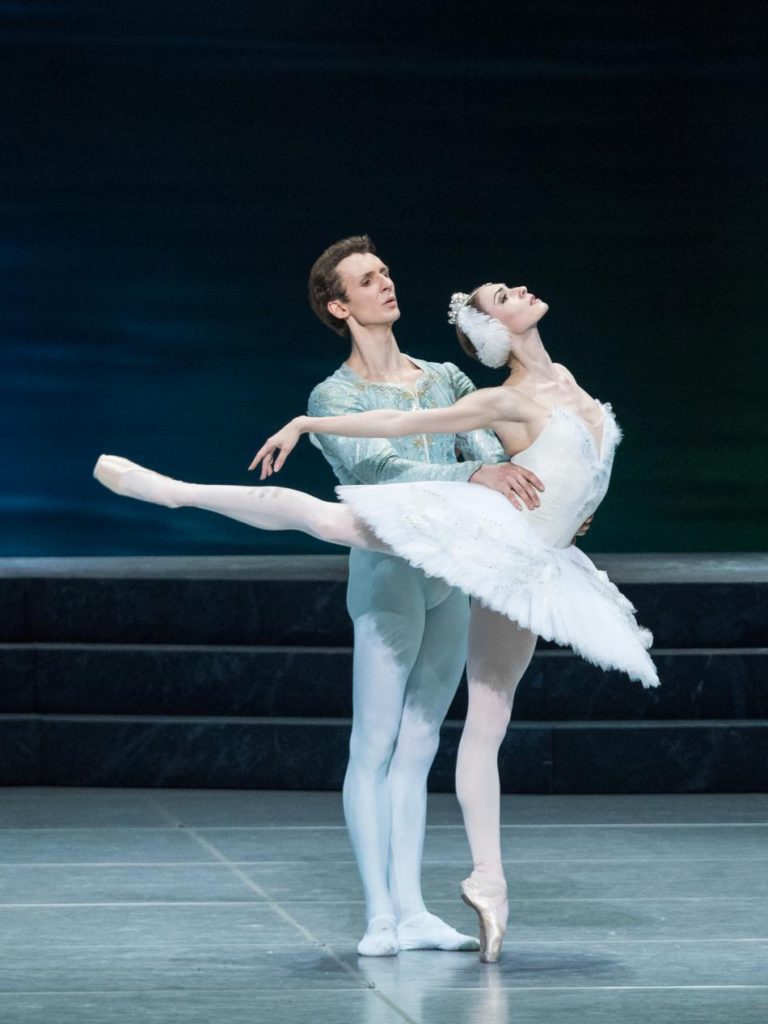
(244, 906)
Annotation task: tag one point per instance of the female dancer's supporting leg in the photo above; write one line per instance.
(499, 653)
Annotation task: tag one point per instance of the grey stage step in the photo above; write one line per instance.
(312, 682)
(235, 673)
(241, 753)
(687, 601)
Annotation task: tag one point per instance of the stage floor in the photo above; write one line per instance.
(243, 906)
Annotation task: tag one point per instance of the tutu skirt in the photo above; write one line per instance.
(473, 538)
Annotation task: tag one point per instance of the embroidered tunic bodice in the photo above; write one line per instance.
(418, 457)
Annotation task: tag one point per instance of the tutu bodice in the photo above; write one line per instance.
(575, 470)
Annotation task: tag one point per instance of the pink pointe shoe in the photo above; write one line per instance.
(488, 898)
(131, 480)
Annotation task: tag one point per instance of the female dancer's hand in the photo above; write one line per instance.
(283, 442)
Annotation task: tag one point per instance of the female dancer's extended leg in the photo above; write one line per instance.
(269, 508)
(499, 653)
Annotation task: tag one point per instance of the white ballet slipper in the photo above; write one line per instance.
(426, 931)
(380, 937)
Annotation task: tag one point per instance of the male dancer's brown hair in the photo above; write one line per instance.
(324, 281)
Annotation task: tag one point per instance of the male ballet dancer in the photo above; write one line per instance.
(410, 632)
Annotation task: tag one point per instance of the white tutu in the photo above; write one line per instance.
(473, 538)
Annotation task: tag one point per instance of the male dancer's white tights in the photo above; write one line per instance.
(410, 646)
(499, 653)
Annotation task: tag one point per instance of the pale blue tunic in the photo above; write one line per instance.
(418, 457)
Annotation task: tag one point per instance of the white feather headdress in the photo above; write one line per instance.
(489, 336)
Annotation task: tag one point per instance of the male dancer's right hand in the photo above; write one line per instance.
(513, 481)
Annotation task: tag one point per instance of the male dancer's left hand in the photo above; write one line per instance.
(583, 529)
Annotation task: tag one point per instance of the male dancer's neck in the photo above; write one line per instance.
(375, 355)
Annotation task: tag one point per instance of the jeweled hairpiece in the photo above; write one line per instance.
(489, 335)
(458, 301)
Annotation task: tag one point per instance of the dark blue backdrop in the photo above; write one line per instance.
(170, 171)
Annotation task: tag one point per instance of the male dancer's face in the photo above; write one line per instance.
(370, 291)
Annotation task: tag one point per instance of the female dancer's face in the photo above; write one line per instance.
(517, 308)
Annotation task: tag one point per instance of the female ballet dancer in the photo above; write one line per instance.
(520, 565)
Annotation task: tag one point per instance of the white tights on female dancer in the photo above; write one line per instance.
(520, 565)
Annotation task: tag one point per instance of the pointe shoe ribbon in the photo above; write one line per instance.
(488, 898)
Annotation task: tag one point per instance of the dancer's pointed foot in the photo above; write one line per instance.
(488, 898)
(134, 481)
(426, 931)
(380, 937)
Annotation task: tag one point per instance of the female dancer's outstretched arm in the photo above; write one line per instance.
(479, 409)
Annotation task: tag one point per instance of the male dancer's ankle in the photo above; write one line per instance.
(380, 937)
